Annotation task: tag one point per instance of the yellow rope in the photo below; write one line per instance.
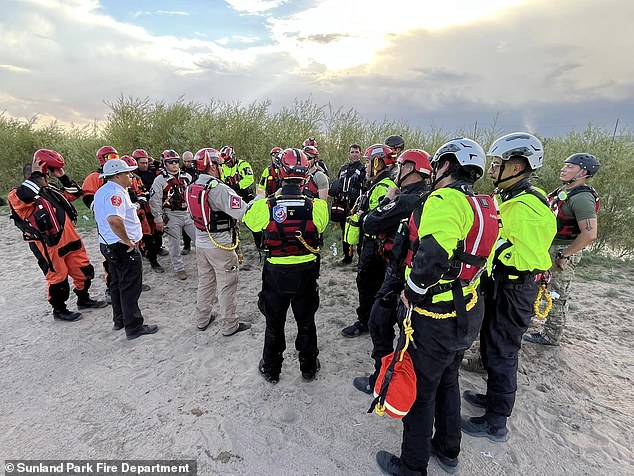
(543, 293)
(301, 239)
(435, 315)
(222, 247)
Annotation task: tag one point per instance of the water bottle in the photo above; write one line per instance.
(333, 249)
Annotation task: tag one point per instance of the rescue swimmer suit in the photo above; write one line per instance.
(389, 221)
(290, 272)
(446, 316)
(215, 210)
(60, 255)
(528, 229)
(371, 269)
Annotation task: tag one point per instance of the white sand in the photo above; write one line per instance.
(80, 390)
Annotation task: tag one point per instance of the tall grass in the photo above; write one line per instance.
(253, 129)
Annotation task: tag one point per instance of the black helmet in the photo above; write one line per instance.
(395, 141)
(586, 161)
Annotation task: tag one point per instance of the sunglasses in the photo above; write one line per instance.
(172, 161)
(111, 156)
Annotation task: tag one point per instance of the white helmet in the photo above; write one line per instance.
(467, 151)
(519, 144)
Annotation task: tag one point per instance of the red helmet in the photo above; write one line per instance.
(311, 152)
(293, 164)
(419, 158)
(205, 157)
(310, 142)
(49, 158)
(131, 161)
(275, 151)
(106, 152)
(170, 154)
(378, 152)
(140, 154)
(227, 153)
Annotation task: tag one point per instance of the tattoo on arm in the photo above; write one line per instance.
(588, 225)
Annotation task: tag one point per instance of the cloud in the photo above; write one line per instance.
(160, 12)
(527, 60)
(253, 7)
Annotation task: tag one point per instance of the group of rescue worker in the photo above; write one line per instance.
(443, 263)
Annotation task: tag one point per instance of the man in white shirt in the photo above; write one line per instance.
(119, 232)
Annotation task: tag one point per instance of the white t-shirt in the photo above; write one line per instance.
(112, 199)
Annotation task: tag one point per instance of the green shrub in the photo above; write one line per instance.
(253, 129)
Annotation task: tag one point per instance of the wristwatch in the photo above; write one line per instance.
(560, 255)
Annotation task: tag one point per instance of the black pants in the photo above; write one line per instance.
(383, 316)
(369, 280)
(295, 286)
(126, 279)
(153, 244)
(509, 308)
(187, 241)
(439, 351)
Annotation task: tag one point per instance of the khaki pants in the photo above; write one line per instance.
(178, 220)
(217, 282)
(561, 283)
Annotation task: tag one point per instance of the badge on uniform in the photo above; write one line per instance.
(279, 213)
(116, 200)
(562, 195)
(236, 202)
(387, 207)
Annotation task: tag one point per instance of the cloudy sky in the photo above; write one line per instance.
(547, 66)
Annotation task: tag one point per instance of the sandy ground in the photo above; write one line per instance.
(81, 390)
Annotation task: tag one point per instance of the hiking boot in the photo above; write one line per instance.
(163, 252)
(392, 464)
(242, 326)
(145, 329)
(203, 324)
(476, 399)
(182, 275)
(185, 251)
(90, 304)
(450, 465)
(473, 364)
(66, 315)
(538, 338)
(311, 374)
(480, 428)
(157, 267)
(268, 374)
(117, 326)
(363, 384)
(355, 330)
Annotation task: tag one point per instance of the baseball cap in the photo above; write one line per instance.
(116, 166)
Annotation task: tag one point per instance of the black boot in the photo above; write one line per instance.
(84, 300)
(66, 315)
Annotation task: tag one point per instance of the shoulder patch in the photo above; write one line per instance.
(213, 183)
(116, 200)
(236, 202)
(387, 207)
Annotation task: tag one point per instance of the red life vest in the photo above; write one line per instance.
(471, 256)
(174, 192)
(290, 217)
(204, 217)
(567, 226)
(273, 181)
(310, 187)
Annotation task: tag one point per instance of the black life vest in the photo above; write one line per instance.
(567, 226)
(174, 192)
(273, 181)
(290, 217)
(203, 216)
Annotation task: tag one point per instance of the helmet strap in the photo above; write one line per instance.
(510, 177)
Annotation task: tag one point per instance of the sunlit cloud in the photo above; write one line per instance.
(255, 6)
(14, 69)
(160, 12)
